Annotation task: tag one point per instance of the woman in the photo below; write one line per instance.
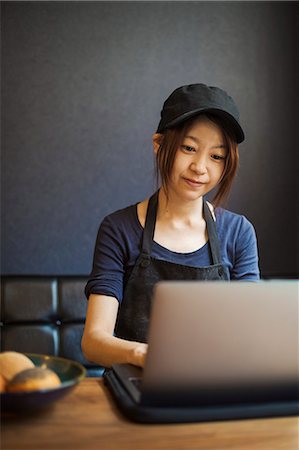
(175, 234)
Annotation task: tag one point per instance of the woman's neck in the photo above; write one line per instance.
(173, 209)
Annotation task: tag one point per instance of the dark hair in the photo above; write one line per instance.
(173, 138)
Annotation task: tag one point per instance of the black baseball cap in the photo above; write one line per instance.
(193, 99)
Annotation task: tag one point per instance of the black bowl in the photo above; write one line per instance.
(70, 374)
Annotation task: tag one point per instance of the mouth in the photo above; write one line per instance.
(193, 183)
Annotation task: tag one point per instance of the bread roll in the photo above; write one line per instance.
(33, 379)
(12, 363)
(2, 384)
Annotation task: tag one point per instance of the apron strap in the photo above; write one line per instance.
(149, 230)
(212, 234)
(149, 227)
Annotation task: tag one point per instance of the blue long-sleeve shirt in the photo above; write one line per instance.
(118, 246)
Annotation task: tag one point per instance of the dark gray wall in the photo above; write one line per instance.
(82, 88)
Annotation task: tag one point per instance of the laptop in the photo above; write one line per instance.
(217, 350)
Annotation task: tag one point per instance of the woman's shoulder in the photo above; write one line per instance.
(236, 232)
(233, 225)
(226, 218)
(226, 214)
(124, 217)
(120, 229)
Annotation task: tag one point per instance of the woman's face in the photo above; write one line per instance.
(199, 161)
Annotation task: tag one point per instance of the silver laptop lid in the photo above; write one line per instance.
(226, 341)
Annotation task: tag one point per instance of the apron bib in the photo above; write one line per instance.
(133, 317)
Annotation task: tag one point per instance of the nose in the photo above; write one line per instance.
(199, 165)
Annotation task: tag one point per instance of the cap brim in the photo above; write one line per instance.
(235, 125)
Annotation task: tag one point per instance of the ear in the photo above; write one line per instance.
(157, 141)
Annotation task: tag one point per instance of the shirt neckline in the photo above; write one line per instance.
(161, 247)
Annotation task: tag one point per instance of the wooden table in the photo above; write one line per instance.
(87, 419)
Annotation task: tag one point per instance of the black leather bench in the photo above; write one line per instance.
(45, 314)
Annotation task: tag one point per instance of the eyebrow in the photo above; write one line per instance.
(198, 140)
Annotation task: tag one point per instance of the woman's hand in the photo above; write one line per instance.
(139, 354)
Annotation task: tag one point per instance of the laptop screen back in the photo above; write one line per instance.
(219, 342)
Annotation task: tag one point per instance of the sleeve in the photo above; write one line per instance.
(245, 265)
(107, 273)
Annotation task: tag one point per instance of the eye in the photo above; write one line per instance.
(219, 157)
(188, 148)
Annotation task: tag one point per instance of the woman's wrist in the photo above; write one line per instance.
(138, 354)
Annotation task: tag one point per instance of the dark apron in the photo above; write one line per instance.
(134, 313)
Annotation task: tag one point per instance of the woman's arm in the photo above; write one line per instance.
(246, 254)
(98, 343)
